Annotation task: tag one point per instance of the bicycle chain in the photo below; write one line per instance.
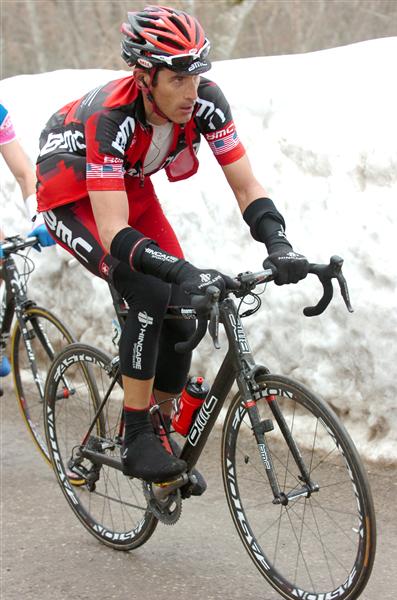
(163, 510)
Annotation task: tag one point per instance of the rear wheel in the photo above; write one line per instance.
(318, 545)
(46, 336)
(110, 505)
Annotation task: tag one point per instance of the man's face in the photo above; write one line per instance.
(176, 95)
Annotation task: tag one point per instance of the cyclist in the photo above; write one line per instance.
(20, 167)
(97, 155)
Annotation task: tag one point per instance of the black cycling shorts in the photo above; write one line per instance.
(147, 340)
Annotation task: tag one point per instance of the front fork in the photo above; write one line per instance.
(28, 335)
(260, 429)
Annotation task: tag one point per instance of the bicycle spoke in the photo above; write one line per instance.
(111, 506)
(315, 540)
(33, 346)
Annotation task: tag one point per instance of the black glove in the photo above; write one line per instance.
(290, 266)
(195, 281)
(267, 225)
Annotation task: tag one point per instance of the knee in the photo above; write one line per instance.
(155, 297)
(144, 293)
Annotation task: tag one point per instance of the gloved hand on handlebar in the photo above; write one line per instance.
(144, 255)
(40, 231)
(267, 225)
(195, 281)
(291, 267)
(43, 237)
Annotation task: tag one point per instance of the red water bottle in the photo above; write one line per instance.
(192, 397)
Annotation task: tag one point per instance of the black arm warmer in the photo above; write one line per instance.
(143, 254)
(266, 224)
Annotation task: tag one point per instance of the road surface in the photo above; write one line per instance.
(48, 555)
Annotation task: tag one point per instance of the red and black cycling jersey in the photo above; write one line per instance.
(100, 141)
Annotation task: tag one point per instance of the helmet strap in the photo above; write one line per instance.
(147, 90)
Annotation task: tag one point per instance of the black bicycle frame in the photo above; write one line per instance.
(238, 365)
(16, 302)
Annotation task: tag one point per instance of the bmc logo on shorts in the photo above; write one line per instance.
(79, 246)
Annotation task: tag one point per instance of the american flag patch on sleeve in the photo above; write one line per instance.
(114, 171)
(223, 141)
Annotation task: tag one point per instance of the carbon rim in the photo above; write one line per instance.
(315, 546)
(111, 506)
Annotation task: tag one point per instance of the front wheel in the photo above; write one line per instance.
(318, 545)
(33, 349)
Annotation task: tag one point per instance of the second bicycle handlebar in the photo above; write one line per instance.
(207, 308)
(16, 243)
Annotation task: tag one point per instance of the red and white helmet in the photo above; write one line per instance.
(161, 36)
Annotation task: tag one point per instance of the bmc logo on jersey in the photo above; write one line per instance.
(126, 128)
(217, 135)
(112, 159)
(69, 140)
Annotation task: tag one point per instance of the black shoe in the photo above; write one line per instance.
(195, 488)
(146, 459)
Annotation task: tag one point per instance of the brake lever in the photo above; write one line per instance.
(326, 273)
(344, 291)
(213, 327)
(203, 306)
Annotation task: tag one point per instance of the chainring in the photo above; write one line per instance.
(167, 511)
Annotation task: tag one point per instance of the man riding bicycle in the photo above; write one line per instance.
(96, 157)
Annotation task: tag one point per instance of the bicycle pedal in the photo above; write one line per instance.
(164, 484)
(165, 488)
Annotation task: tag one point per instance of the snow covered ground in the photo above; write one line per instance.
(321, 131)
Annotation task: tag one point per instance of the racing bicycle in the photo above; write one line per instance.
(295, 486)
(36, 336)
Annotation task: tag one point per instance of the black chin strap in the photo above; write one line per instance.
(147, 90)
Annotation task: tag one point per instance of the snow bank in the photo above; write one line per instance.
(321, 131)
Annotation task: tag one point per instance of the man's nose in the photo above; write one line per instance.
(191, 90)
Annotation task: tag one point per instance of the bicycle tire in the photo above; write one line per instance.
(111, 506)
(316, 547)
(54, 336)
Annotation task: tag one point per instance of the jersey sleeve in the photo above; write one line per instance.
(108, 135)
(215, 121)
(7, 132)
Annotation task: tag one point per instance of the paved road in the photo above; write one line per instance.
(47, 554)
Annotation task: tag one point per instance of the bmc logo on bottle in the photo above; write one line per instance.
(189, 403)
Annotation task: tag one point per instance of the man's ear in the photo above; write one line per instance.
(140, 81)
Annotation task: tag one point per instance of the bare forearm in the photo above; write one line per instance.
(247, 195)
(20, 167)
(27, 183)
(111, 213)
(242, 181)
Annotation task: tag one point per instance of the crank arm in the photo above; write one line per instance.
(98, 458)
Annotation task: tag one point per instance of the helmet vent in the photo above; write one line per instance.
(171, 43)
(177, 23)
